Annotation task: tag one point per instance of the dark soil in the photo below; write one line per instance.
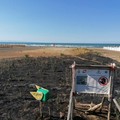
(18, 77)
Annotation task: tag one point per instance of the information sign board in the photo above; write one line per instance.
(92, 81)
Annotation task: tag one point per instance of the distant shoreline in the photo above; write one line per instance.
(10, 46)
(67, 45)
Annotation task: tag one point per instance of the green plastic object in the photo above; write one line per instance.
(45, 94)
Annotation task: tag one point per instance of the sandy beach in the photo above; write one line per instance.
(21, 51)
(21, 67)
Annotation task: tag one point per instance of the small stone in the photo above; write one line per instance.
(62, 115)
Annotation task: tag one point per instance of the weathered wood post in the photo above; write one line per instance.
(41, 113)
(110, 96)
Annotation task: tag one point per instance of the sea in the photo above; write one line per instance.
(77, 45)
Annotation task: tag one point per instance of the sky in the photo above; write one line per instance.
(60, 21)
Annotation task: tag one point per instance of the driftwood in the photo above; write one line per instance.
(95, 107)
(116, 104)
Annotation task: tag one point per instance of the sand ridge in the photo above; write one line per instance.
(22, 51)
(40, 52)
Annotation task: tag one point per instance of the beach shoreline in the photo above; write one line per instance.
(18, 51)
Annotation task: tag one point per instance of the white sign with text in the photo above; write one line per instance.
(92, 81)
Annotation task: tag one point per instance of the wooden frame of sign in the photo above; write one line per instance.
(84, 81)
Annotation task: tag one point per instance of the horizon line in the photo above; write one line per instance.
(57, 42)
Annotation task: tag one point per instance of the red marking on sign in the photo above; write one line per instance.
(103, 81)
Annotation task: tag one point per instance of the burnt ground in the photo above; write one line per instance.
(17, 79)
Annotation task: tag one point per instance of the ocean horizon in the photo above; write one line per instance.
(78, 45)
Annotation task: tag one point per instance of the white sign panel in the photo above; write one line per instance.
(92, 81)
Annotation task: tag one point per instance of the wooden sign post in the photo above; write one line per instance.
(95, 80)
(42, 95)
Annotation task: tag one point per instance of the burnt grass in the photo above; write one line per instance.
(18, 77)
